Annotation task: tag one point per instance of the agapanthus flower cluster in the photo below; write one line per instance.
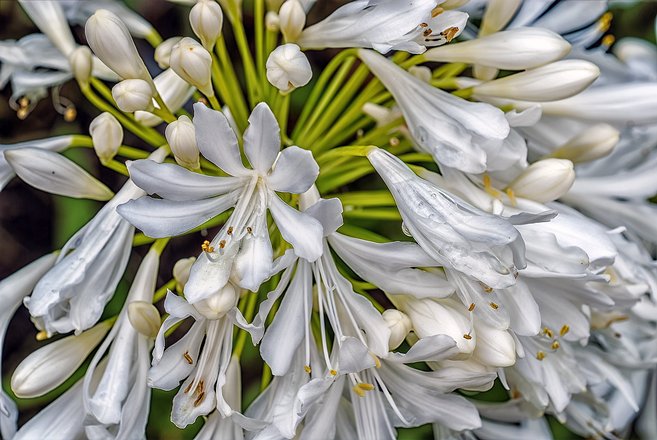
(457, 199)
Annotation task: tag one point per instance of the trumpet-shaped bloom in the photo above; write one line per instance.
(457, 133)
(188, 199)
(72, 295)
(483, 246)
(385, 25)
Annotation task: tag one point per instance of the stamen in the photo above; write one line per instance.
(189, 387)
(230, 230)
(222, 244)
(487, 288)
(512, 197)
(199, 399)
(249, 230)
(548, 333)
(357, 390)
(540, 355)
(494, 306)
(333, 373)
(565, 329)
(188, 358)
(424, 25)
(608, 40)
(488, 187)
(427, 32)
(555, 345)
(42, 335)
(467, 336)
(450, 33)
(436, 11)
(307, 369)
(206, 247)
(472, 307)
(377, 362)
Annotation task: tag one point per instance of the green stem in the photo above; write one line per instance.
(162, 291)
(252, 83)
(116, 166)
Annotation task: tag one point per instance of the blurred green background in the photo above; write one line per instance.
(33, 223)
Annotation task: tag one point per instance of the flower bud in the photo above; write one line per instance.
(445, 317)
(207, 18)
(81, 62)
(272, 21)
(110, 40)
(107, 136)
(181, 271)
(131, 95)
(495, 348)
(558, 80)
(144, 317)
(288, 68)
(545, 180)
(421, 72)
(48, 367)
(217, 305)
(516, 49)
(497, 16)
(173, 90)
(292, 20)
(163, 51)
(591, 144)
(181, 137)
(193, 64)
(399, 324)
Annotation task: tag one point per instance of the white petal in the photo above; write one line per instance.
(174, 182)
(164, 218)
(433, 348)
(217, 141)
(262, 140)
(353, 356)
(54, 173)
(329, 214)
(295, 171)
(302, 231)
(253, 262)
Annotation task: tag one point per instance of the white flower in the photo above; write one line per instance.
(72, 295)
(54, 173)
(107, 135)
(458, 133)
(288, 68)
(516, 49)
(81, 60)
(131, 95)
(483, 246)
(384, 26)
(292, 19)
(173, 90)
(558, 80)
(206, 19)
(192, 62)
(12, 291)
(57, 143)
(188, 199)
(110, 40)
(181, 137)
(48, 367)
(121, 396)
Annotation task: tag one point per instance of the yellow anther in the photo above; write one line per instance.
(494, 306)
(333, 372)
(70, 114)
(467, 336)
(377, 362)
(358, 390)
(365, 386)
(206, 247)
(188, 358)
(565, 329)
(540, 355)
(41, 336)
(230, 230)
(547, 332)
(605, 21)
(22, 113)
(424, 25)
(222, 244)
(512, 197)
(608, 40)
(488, 187)
(249, 230)
(436, 11)
(427, 32)
(307, 369)
(199, 399)
(487, 288)
(555, 345)
(189, 387)
(450, 33)
(472, 307)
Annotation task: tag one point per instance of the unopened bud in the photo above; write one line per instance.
(217, 305)
(551, 82)
(495, 348)
(193, 63)
(163, 51)
(181, 271)
(593, 143)
(421, 72)
(272, 22)
(48, 367)
(545, 180)
(399, 324)
(207, 18)
(292, 19)
(110, 40)
(288, 68)
(107, 136)
(144, 317)
(81, 62)
(131, 95)
(515, 49)
(181, 137)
